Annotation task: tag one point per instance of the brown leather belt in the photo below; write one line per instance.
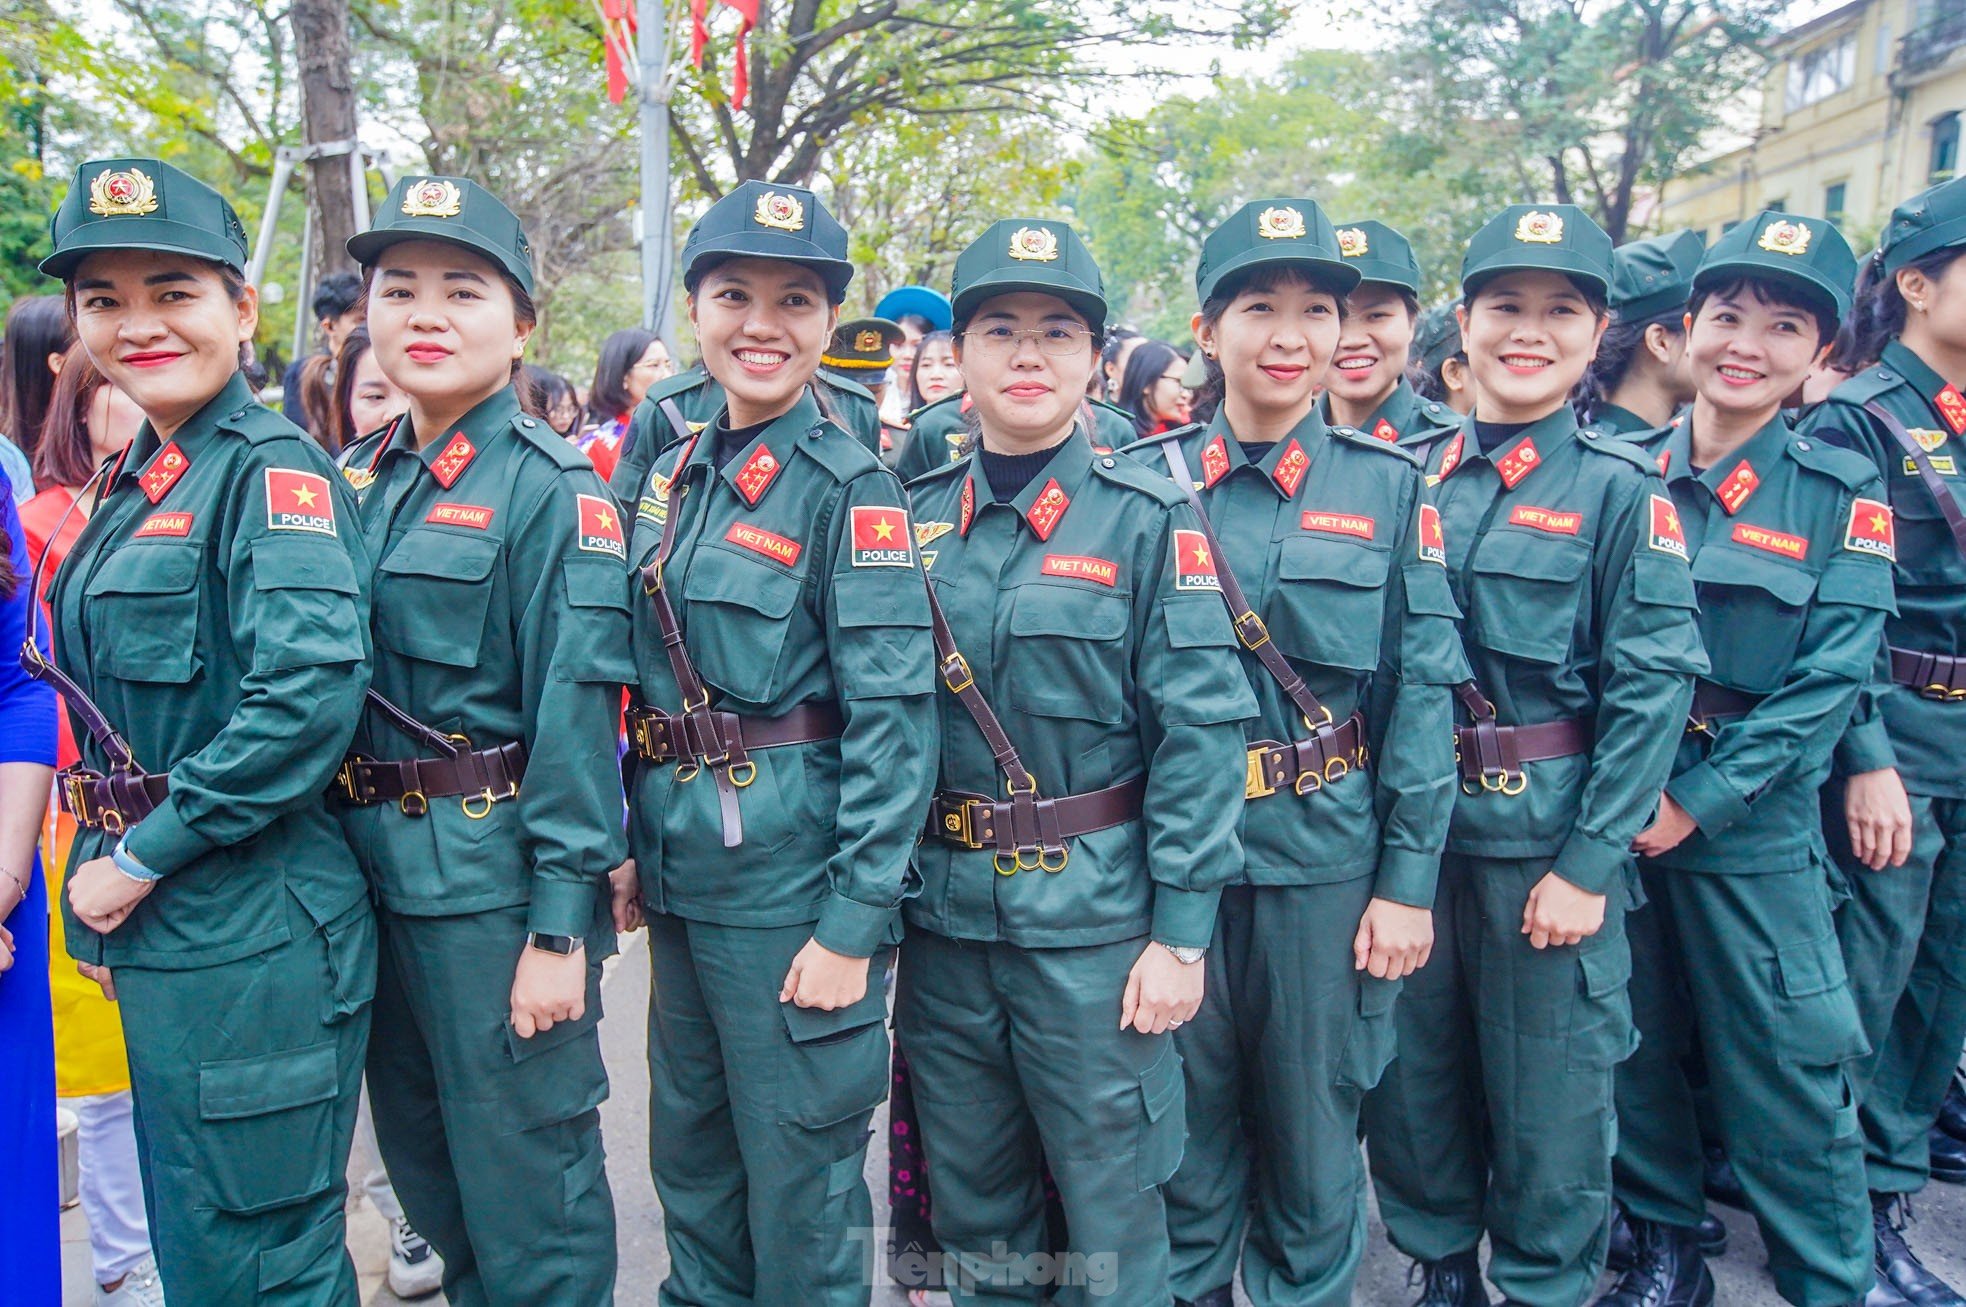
(657, 736)
(1491, 755)
(1716, 705)
(481, 776)
(1305, 766)
(114, 802)
(1939, 677)
(1028, 833)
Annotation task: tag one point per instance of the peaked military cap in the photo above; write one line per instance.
(142, 204)
(1380, 254)
(1271, 231)
(766, 220)
(455, 210)
(1438, 337)
(861, 348)
(1551, 237)
(1809, 255)
(1029, 254)
(1933, 219)
(1651, 278)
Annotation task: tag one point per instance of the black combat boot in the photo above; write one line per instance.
(1948, 1156)
(1222, 1297)
(1668, 1272)
(1722, 1185)
(1897, 1266)
(1624, 1246)
(1451, 1282)
(1952, 1112)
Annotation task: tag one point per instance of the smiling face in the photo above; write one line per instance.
(445, 325)
(1529, 336)
(165, 329)
(1749, 351)
(1274, 345)
(1026, 358)
(761, 325)
(936, 372)
(1373, 346)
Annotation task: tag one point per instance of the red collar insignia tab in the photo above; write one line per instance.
(1664, 461)
(1952, 406)
(1047, 508)
(1740, 484)
(969, 506)
(450, 464)
(164, 470)
(1451, 457)
(757, 474)
(1518, 463)
(1386, 431)
(1291, 466)
(1214, 462)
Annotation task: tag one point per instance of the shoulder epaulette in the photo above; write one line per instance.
(845, 385)
(933, 406)
(550, 443)
(1617, 447)
(1866, 385)
(836, 449)
(1144, 443)
(938, 472)
(1852, 470)
(259, 424)
(1136, 476)
(1353, 436)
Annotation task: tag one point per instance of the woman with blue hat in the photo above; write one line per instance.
(783, 746)
(1580, 635)
(483, 795)
(1895, 812)
(210, 631)
(1321, 546)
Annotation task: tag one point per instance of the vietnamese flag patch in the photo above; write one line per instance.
(298, 501)
(881, 537)
(1668, 537)
(1433, 541)
(1871, 530)
(600, 527)
(1194, 563)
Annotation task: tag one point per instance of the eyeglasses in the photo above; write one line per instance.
(1059, 342)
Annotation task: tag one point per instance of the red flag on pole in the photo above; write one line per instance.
(699, 38)
(618, 35)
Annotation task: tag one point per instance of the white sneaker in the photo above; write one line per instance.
(415, 1269)
(140, 1288)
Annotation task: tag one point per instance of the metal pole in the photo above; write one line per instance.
(358, 176)
(306, 286)
(283, 171)
(658, 313)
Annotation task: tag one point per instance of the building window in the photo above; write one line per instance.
(1822, 72)
(1834, 201)
(1777, 206)
(1945, 149)
(1726, 227)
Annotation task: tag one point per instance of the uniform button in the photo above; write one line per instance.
(1590, 435)
(1883, 374)
(527, 422)
(1106, 462)
(1802, 444)
(239, 414)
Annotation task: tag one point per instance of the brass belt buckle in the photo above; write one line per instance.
(959, 825)
(74, 791)
(1255, 783)
(956, 665)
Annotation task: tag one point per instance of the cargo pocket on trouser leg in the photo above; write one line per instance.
(556, 1074)
(1601, 1031)
(306, 1270)
(1817, 1027)
(1163, 1120)
(266, 1128)
(351, 942)
(1372, 1041)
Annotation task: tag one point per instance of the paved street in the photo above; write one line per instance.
(1742, 1281)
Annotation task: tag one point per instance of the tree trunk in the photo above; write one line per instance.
(327, 97)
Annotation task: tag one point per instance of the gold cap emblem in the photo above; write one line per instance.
(1539, 228)
(1352, 243)
(778, 210)
(126, 192)
(1785, 237)
(867, 342)
(1034, 244)
(1282, 223)
(433, 197)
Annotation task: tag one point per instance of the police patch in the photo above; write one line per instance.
(1433, 541)
(600, 529)
(881, 536)
(1194, 565)
(298, 501)
(1667, 535)
(1871, 530)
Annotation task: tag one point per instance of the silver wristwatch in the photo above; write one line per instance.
(1187, 957)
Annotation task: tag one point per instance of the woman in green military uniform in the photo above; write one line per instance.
(1639, 377)
(1366, 387)
(784, 746)
(1734, 954)
(1497, 1116)
(1895, 813)
(1350, 650)
(484, 797)
(1089, 793)
(210, 624)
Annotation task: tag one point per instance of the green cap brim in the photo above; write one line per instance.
(1342, 276)
(1819, 294)
(1940, 237)
(1656, 305)
(366, 247)
(162, 237)
(1567, 262)
(1008, 281)
(752, 244)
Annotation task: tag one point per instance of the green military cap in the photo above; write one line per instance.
(1029, 254)
(767, 220)
(142, 204)
(1933, 219)
(1808, 255)
(1653, 277)
(1380, 254)
(1553, 237)
(455, 210)
(861, 349)
(1274, 231)
(1438, 337)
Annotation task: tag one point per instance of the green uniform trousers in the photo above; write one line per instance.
(1747, 968)
(759, 1115)
(1904, 940)
(1277, 1062)
(1019, 1060)
(245, 1077)
(1497, 1112)
(492, 1141)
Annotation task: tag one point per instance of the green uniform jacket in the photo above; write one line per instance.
(214, 608)
(701, 399)
(1611, 420)
(499, 615)
(1324, 536)
(1088, 612)
(937, 434)
(1792, 605)
(1575, 610)
(1405, 419)
(1893, 726)
(795, 581)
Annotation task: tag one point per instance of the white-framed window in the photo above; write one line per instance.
(1818, 73)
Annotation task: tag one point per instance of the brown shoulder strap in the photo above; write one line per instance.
(962, 683)
(1934, 483)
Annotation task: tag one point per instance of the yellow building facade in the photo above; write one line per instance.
(1861, 108)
